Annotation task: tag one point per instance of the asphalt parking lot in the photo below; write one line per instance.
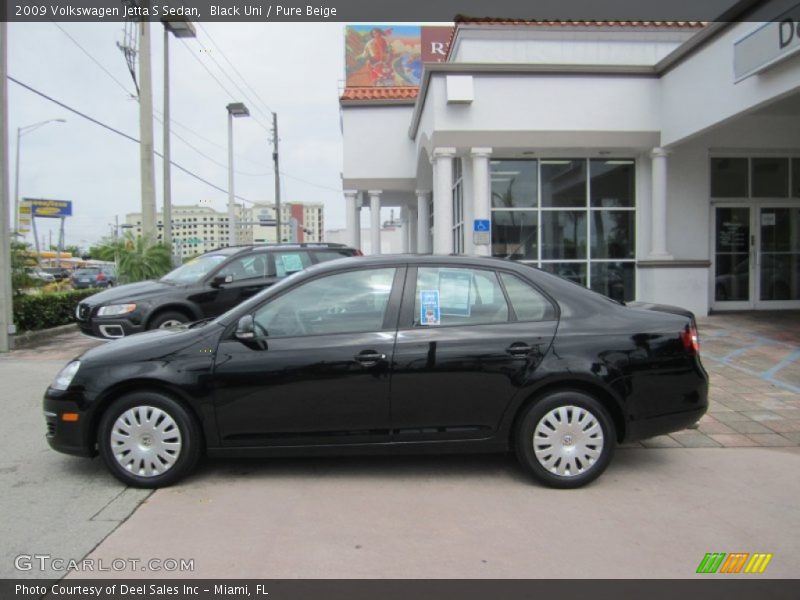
(655, 513)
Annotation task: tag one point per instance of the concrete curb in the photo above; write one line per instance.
(26, 338)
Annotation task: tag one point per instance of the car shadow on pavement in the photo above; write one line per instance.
(419, 467)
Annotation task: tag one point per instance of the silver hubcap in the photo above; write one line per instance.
(568, 441)
(170, 323)
(146, 441)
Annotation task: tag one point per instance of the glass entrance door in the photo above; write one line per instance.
(756, 256)
(778, 257)
(733, 241)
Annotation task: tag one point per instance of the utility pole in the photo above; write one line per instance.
(148, 176)
(277, 178)
(6, 312)
(167, 219)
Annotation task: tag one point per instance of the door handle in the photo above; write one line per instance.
(520, 349)
(369, 358)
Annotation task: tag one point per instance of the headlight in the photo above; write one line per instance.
(115, 309)
(66, 375)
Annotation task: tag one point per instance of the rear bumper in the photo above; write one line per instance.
(663, 424)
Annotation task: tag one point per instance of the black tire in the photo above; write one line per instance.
(581, 455)
(190, 439)
(165, 317)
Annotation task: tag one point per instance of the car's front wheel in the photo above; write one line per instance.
(565, 439)
(148, 440)
(167, 319)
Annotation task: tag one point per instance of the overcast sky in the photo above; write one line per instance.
(296, 69)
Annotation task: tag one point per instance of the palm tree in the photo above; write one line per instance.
(137, 258)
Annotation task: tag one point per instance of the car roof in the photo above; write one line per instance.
(232, 250)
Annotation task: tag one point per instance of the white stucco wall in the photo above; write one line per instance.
(376, 143)
(700, 92)
(585, 47)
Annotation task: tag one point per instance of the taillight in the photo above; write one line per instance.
(101, 277)
(358, 253)
(690, 340)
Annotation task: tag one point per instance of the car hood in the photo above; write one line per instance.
(150, 345)
(128, 292)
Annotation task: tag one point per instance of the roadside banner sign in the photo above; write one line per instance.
(49, 209)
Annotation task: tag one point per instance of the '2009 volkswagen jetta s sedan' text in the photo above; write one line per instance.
(389, 354)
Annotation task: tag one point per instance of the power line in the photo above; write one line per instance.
(215, 78)
(233, 66)
(95, 61)
(123, 134)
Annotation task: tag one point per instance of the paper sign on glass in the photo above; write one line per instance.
(429, 313)
(454, 287)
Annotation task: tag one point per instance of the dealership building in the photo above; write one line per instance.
(652, 161)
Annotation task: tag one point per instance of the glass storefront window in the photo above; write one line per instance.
(613, 233)
(612, 183)
(575, 271)
(515, 234)
(546, 212)
(729, 178)
(564, 234)
(563, 183)
(770, 177)
(514, 183)
(796, 177)
(614, 279)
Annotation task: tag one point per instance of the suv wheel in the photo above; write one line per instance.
(565, 439)
(148, 440)
(170, 318)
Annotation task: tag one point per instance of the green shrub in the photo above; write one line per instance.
(42, 311)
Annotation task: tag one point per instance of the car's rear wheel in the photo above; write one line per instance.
(148, 440)
(565, 439)
(167, 319)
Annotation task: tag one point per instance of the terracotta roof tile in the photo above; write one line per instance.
(379, 93)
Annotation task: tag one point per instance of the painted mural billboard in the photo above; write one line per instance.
(391, 55)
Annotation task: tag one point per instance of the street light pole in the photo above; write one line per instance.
(20, 132)
(6, 313)
(235, 109)
(180, 29)
(278, 237)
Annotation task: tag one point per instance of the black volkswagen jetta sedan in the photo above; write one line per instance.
(204, 287)
(389, 354)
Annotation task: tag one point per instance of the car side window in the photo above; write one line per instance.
(250, 266)
(286, 263)
(350, 302)
(458, 296)
(528, 303)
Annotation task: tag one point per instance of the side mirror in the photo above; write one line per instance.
(220, 279)
(246, 329)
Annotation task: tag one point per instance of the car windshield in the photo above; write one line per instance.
(194, 270)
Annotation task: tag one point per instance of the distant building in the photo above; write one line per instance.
(197, 229)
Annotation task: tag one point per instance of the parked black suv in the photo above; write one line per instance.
(202, 288)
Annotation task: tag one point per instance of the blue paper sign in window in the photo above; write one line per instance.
(429, 312)
(454, 287)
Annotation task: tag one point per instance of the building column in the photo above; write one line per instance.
(353, 218)
(404, 231)
(423, 223)
(411, 228)
(658, 205)
(482, 196)
(443, 200)
(375, 221)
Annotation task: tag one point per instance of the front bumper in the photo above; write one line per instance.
(69, 437)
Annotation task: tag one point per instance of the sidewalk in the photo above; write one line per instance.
(753, 360)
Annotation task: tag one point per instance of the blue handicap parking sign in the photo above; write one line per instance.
(482, 225)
